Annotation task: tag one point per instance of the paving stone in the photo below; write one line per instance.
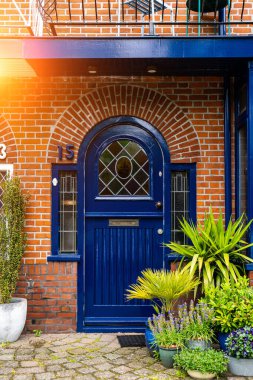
(45, 376)
(122, 369)
(65, 373)
(72, 365)
(6, 357)
(105, 375)
(23, 377)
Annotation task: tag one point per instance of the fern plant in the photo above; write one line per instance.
(12, 237)
(162, 287)
(215, 254)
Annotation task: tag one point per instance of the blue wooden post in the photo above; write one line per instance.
(222, 18)
(250, 153)
(227, 150)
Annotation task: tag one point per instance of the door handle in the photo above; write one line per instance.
(160, 231)
(159, 205)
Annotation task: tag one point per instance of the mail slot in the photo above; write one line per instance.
(123, 222)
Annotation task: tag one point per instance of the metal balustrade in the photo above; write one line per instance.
(92, 18)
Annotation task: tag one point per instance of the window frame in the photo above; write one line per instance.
(191, 169)
(55, 220)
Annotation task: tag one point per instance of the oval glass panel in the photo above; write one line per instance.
(124, 167)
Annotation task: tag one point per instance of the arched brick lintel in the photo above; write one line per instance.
(7, 138)
(123, 100)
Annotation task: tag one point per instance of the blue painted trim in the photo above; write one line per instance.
(222, 18)
(108, 329)
(250, 154)
(64, 257)
(249, 266)
(227, 150)
(55, 222)
(127, 47)
(191, 169)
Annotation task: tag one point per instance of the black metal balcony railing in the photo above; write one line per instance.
(91, 18)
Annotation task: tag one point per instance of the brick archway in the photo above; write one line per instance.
(7, 138)
(137, 101)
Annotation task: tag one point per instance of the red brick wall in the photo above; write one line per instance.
(38, 113)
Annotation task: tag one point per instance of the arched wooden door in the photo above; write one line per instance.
(125, 223)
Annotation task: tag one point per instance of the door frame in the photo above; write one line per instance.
(89, 138)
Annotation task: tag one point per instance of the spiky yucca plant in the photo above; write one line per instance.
(215, 254)
(162, 287)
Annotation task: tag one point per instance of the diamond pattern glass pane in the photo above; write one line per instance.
(179, 204)
(68, 212)
(124, 170)
(3, 177)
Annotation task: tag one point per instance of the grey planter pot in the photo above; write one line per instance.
(240, 367)
(201, 344)
(12, 319)
(167, 356)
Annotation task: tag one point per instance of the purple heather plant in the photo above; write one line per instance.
(240, 343)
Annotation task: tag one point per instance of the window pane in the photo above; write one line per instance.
(68, 212)
(124, 170)
(3, 176)
(242, 169)
(179, 204)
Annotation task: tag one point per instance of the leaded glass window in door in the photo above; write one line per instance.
(124, 170)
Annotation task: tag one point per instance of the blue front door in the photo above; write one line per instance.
(124, 224)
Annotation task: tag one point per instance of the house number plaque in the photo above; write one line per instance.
(123, 222)
(3, 153)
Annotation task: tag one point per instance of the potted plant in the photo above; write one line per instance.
(214, 253)
(240, 350)
(168, 335)
(197, 325)
(163, 288)
(201, 364)
(232, 306)
(12, 245)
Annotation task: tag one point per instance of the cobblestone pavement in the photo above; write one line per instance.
(79, 356)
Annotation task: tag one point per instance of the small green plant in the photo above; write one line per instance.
(12, 236)
(196, 321)
(37, 333)
(214, 253)
(232, 305)
(5, 344)
(162, 287)
(204, 361)
(167, 332)
(240, 343)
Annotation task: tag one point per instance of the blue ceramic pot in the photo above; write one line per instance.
(222, 339)
(150, 342)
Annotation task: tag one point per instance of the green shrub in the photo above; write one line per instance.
(162, 287)
(232, 305)
(215, 254)
(204, 361)
(12, 237)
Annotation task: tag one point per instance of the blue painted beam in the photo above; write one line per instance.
(250, 154)
(227, 150)
(215, 47)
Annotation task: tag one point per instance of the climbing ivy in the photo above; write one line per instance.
(12, 236)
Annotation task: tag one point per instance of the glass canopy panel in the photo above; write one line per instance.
(124, 170)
